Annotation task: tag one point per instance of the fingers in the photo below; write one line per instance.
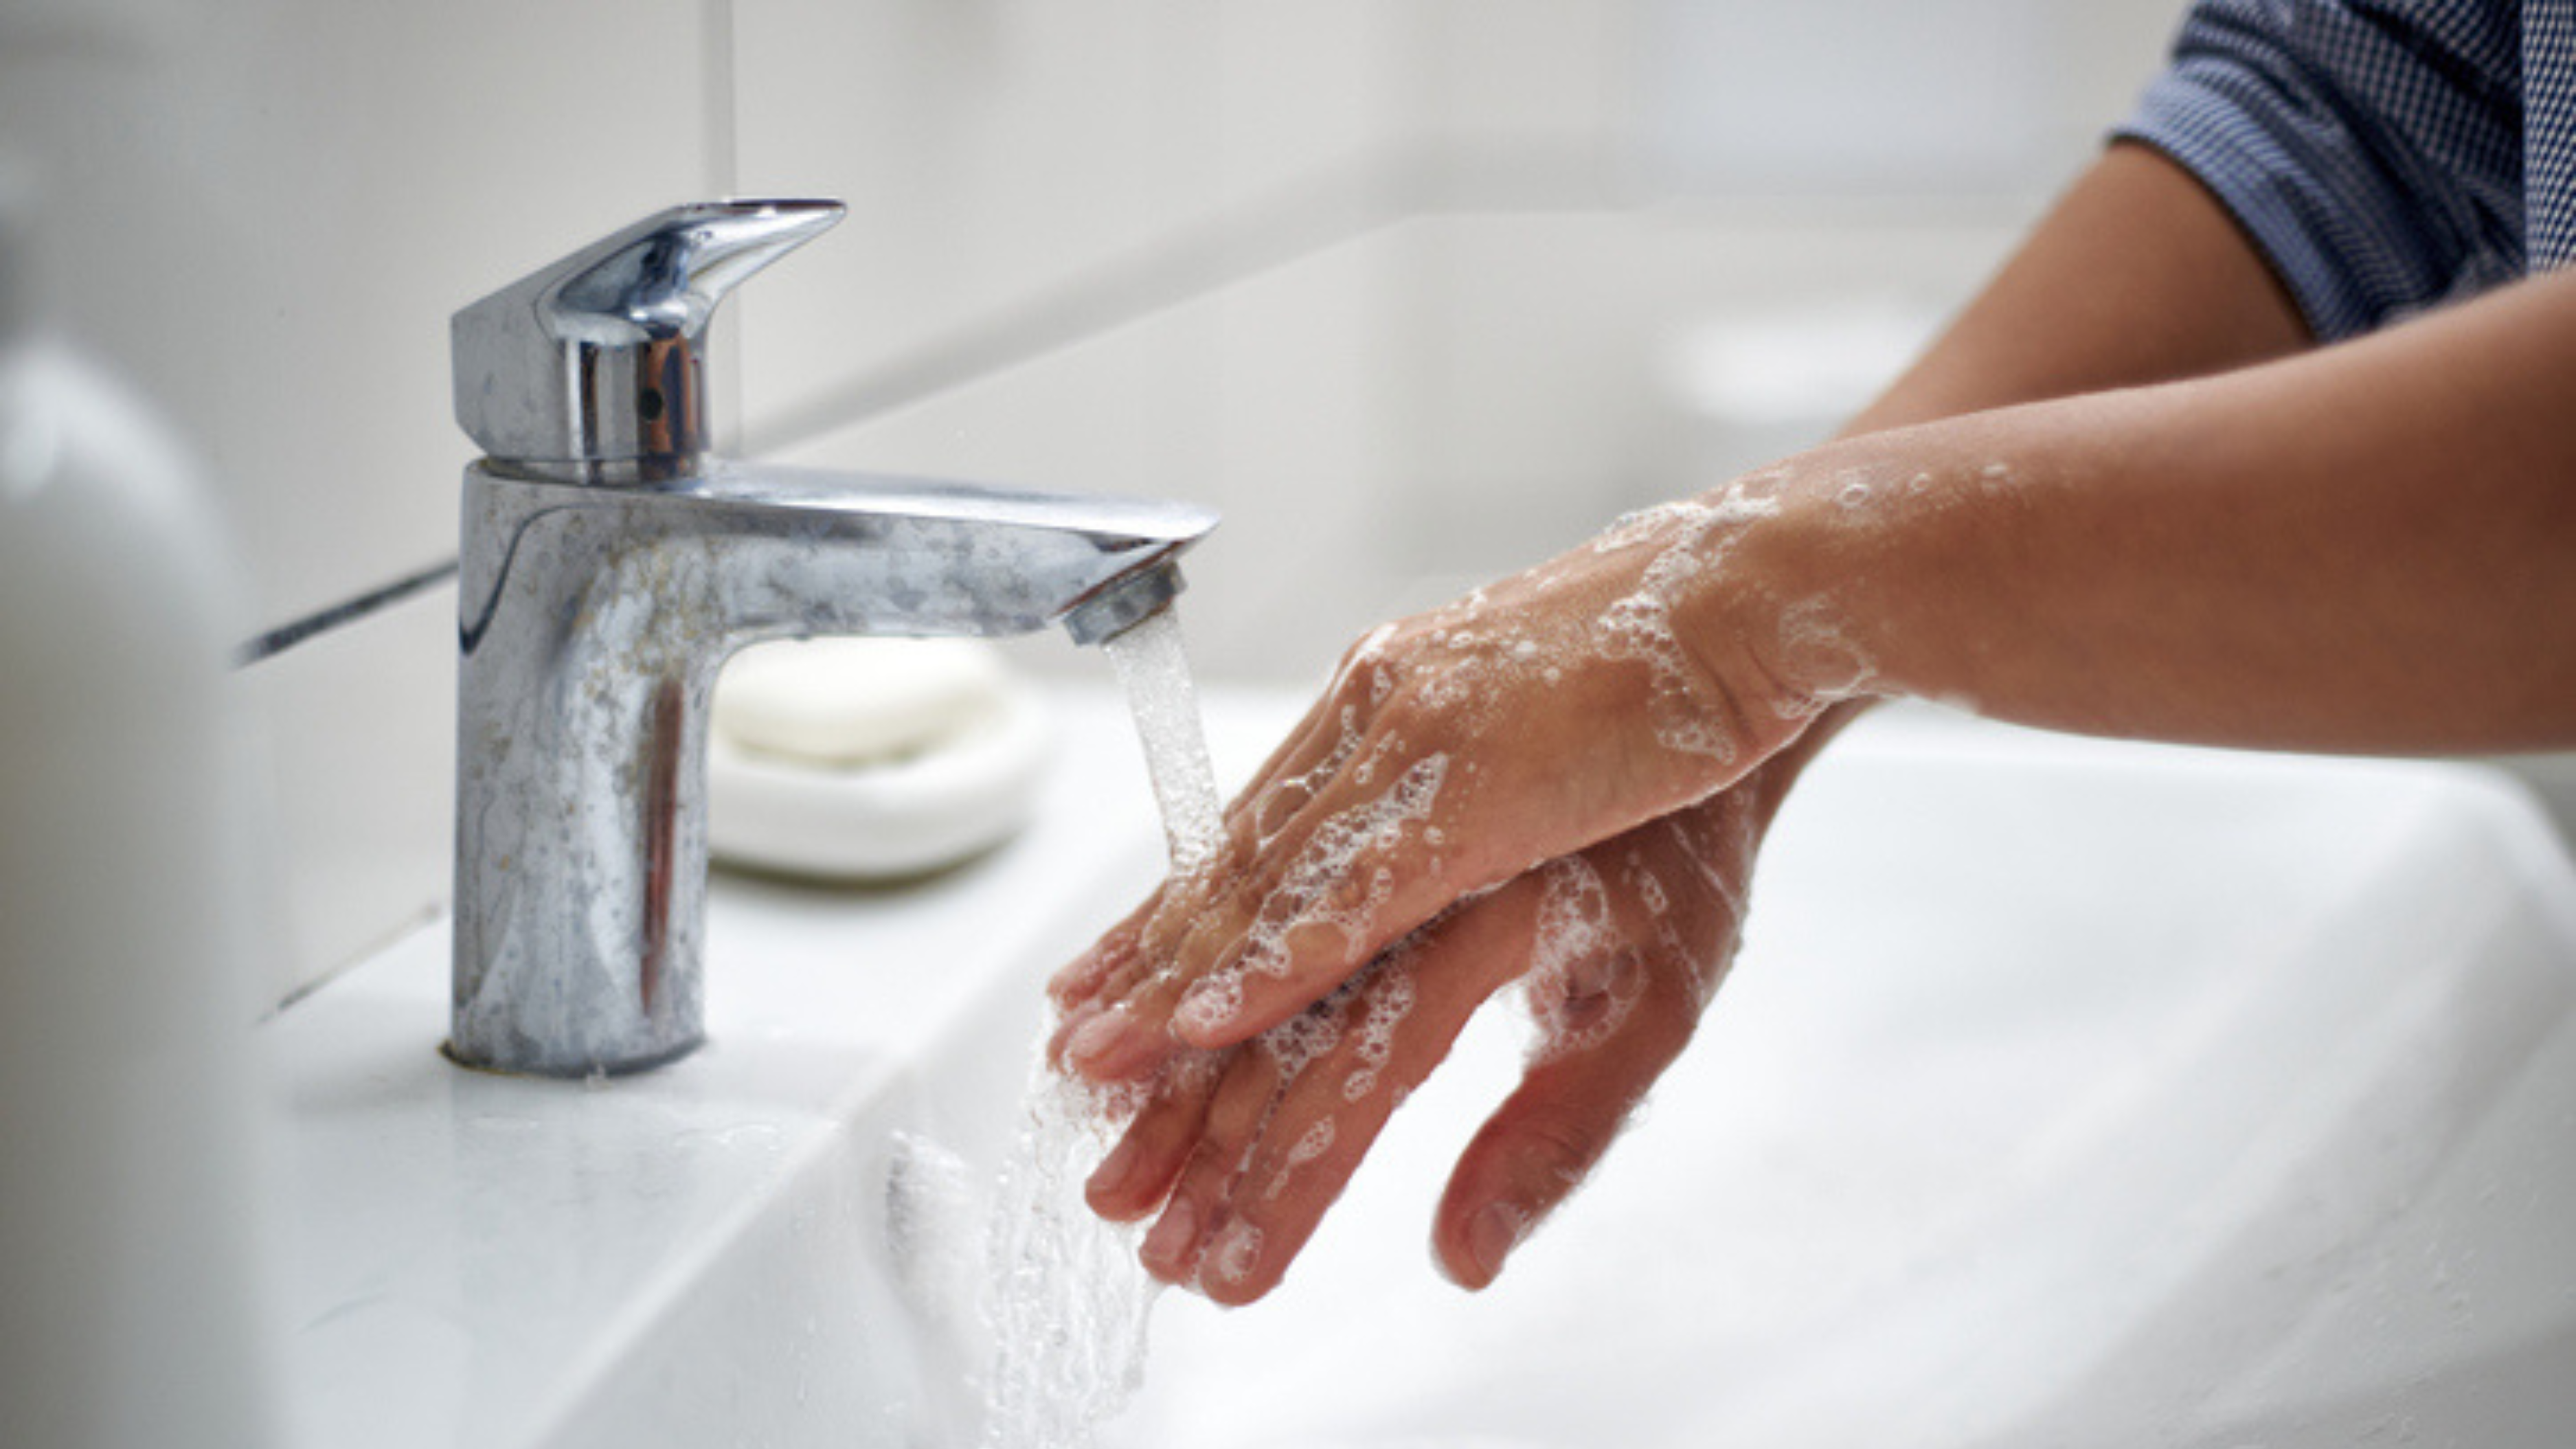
(1630, 942)
(1538, 1147)
(1087, 993)
(1317, 850)
(1620, 946)
(1179, 1241)
(1300, 1106)
(1119, 996)
(1084, 979)
(1138, 1173)
(1291, 932)
(1116, 999)
(1244, 1150)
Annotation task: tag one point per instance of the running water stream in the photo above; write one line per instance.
(1066, 1299)
(1155, 670)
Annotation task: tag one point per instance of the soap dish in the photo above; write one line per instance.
(870, 759)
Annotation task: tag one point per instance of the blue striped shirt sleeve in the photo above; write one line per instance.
(2372, 151)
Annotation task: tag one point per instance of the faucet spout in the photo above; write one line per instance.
(593, 622)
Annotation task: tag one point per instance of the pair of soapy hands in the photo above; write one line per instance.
(1560, 780)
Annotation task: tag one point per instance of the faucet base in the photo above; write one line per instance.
(598, 1072)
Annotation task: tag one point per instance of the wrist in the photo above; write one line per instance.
(1781, 597)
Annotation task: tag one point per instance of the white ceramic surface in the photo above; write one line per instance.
(2067, 1093)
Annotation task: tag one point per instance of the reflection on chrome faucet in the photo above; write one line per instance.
(610, 565)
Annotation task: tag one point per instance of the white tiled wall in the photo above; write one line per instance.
(262, 212)
(1385, 280)
(1026, 175)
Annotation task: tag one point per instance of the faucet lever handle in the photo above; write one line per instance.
(599, 358)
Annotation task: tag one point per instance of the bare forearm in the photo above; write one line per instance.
(2136, 276)
(2370, 547)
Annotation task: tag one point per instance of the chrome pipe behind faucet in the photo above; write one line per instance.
(609, 567)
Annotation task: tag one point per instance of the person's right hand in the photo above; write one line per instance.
(1619, 949)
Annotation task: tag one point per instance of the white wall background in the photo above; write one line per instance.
(1403, 286)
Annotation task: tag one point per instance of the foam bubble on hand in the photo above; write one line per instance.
(1581, 984)
(1649, 889)
(1825, 659)
(1330, 856)
(1283, 799)
(1231, 1256)
(1295, 1044)
(1317, 1140)
(1313, 1143)
(1690, 539)
(1215, 1000)
(1387, 998)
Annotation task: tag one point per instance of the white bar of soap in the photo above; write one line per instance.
(857, 759)
(857, 701)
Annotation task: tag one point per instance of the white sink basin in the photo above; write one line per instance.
(2067, 1093)
(693, 1256)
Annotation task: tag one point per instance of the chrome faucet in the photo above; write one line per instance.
(609, 566)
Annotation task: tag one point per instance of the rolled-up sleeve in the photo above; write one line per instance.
(2372, 151)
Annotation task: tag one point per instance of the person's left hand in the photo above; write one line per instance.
(1621, 947)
